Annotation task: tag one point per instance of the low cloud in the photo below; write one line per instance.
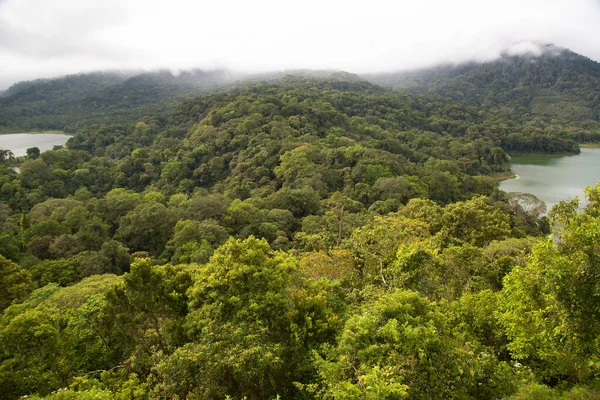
(44, 38)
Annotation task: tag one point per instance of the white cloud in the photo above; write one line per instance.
(51, 37)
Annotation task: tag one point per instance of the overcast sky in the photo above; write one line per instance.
(44, 38)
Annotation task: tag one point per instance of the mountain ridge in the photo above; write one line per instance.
(551, 93)
(558, 76)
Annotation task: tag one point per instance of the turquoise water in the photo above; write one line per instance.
(553, 179)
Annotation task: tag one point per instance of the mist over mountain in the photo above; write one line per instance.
(557, 83)
(546, 82)
(68, 102)
(74, 101)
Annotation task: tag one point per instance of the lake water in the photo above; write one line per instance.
(553, 179)
(18, 143)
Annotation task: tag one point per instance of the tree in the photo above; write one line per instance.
(426, 211)
(397, 188)
(397, 346)
(551, 311)
(375, 246)
(240, 320)
(117, 255)
(35, 173)
(6, 155)
(195, 241)
(147, 227)
(51, 337)
(443, 186)
(527, 203)
(62, 272)
(528, 210)
(158, 299)
(116, 204)
(340, 206)
(33, 153)
(474, 221)
(301, 167)
(15, 283)
(64, 246)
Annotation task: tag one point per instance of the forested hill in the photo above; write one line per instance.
(76, 101)
(558, 87)
(534, 99)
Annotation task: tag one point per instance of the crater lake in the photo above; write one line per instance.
(554, 178)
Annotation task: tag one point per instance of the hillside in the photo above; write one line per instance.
(75, 101)
(78, 102)
(557, 87)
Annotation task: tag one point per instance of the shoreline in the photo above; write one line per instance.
(518, 153)
(504, 176)
(589, 145)
(35, 132)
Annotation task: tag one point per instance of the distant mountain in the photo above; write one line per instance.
(70, 87)
(551, 94)
(555, 85)
(74, 101)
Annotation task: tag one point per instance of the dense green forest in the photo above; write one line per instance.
(76, 101)
(543, 104)
(556, 91)
(303, 238)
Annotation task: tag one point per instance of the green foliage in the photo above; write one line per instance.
(399, 346)
(157, 297)
(147, 227)
(62, 272)
(552, 302)
(475, 222)
(50, 338)
(71, 394)
(536, 391)
(15, 283)
(71, 102)
(376, 245)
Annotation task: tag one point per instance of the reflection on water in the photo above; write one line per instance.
(553, 179)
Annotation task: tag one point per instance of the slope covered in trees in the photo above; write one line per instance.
(304, 147)
(556, 91)
(75, 101)
(536, 103)
(308, 238)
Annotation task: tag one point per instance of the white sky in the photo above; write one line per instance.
(44, 38)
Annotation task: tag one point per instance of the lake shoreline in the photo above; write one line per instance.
(567, 154)
(19, 143)
(590, 145)
(510, 175)
(503, 176)
(35, 132)
(553, 179)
